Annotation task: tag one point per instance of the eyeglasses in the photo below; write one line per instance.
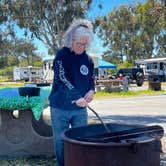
(79, 44)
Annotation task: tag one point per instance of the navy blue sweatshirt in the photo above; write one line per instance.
(73, 78)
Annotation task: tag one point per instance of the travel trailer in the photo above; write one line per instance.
(28, 73)
(48, 65)
(154, 67)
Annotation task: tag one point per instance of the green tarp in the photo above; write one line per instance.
(10, 100)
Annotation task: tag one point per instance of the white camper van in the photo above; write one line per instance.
(27, 73)
(155, 67)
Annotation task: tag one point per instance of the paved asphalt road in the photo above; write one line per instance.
(148, 110)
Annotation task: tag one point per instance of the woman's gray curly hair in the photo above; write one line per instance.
(78, 28)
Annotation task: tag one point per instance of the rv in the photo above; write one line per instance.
(28, 73)
(153, 68)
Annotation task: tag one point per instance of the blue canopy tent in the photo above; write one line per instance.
(104, 64)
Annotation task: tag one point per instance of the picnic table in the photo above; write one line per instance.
(109, 85)
(28, 133)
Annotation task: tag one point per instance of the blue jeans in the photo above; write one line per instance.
(62, 120)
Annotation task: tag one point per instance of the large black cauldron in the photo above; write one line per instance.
(141, 149)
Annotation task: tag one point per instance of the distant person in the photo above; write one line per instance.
(73, 83)
(124, 82)
(120, 77)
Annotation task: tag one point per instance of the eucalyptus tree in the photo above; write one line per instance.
(161, 46)
(160, 12)
(13, 49)
(5, 46)
(152, 25)
(28, 53)
(119, 32)
(46, 20)
(130, 31)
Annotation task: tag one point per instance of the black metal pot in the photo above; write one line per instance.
(139, 150)
(29, 91)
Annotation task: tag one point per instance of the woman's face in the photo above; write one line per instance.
(80, 45)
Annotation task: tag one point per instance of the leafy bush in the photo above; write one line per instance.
(6, 73)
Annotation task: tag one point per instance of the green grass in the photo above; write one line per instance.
(130, 93)
(10, 84)
(103, 94)
(4, 78)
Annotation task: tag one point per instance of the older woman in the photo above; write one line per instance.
(73, 84)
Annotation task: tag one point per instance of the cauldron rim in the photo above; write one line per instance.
(110, 144)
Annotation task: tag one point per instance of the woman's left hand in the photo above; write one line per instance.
(89, 96)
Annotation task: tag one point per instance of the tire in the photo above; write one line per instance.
(139, 83)
(139, 79)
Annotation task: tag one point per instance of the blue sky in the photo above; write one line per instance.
(107, 6)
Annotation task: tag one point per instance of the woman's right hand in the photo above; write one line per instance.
(81, 102)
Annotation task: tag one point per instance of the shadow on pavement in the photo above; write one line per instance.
(146, 119)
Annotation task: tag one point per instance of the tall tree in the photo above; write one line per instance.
(5, 46)
(45, 19)
(119, 32)
(131, 30)
(28, 52)
(13, 49)
(161, 46)
(152, 25)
